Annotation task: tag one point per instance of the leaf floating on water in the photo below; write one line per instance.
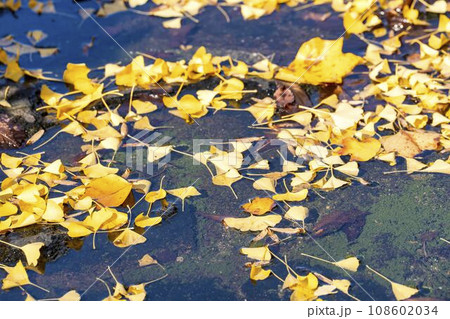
(438, 166)
(341, 284)
(32, 252)
(258, 273)
(299, 213)
(184, 193)
(144, 221)
(128, 238)
(401, 292)
(147, 260)
(292, 196)
(265, 183)
(259, 206)
(410, 143)
(110, 190)
(330, 67)
(155, 153)
(363, 150)
(303, 287)
(351, 263)
(258, 253)
(17, 276)
(253, 223)
(70, 296)
(227, 179)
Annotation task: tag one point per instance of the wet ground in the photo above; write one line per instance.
(200, 256)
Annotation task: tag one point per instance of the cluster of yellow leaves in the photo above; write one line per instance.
(319, 61)
(30, 194)
(122, 292)
(35, 5)
(304, 288)
(307, 288)
(11, 49)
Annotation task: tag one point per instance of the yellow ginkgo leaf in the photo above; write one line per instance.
(259, 206)
(17, 276)
(258, 253)
(333, 183)
(292, 196)
(350, 168)
(32, 252)
(363, 150)
(265, 183)
(299, 213)
(155, 153)
(54, 211)
(77, 75)
(55, 167)
(76, 228)
(319, 61)
(70, 296)
(227, 179)
(253, 223)
(341, 284)
(438, 166)
(413, 165)
(144, 124)
(304, 288)
(98, 170)
(143, 107)
(401, 292)
(258, 273)
(144, 221)
(128, 238)
(346, 116)
(325, 290)
(8, 209)
(263, 109)
(116, 220)
(110, 190)
(10, 161)
(147, 260)
(351, 263)
(136, 292)
(153, 196)
(184, 193)
(97, 218)
(13, 71)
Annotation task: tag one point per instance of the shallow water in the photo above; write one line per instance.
(200, 256)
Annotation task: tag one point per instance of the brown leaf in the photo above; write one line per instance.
(410, 143)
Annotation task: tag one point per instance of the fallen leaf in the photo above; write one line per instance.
(258, 253)
(253, 223)
(184, 193)
(299, 213)
(147, 260)
(110, 190)
(258, 273)
(259, 206)
(128, 238)
(363, 150)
